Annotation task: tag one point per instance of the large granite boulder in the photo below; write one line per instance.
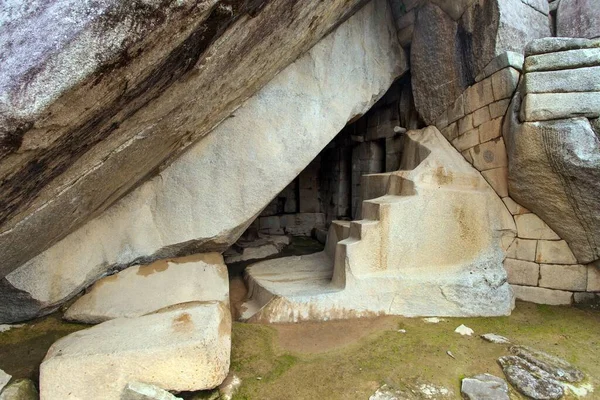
(578, 19)
(206, 198)
(554, 164)
(447, 55)
(181, 348)
(96, 95)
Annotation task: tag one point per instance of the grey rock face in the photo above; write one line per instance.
(555, 44)
(21, 389)
(558, 368)
(563, 60)
(564, 81)
(94, 95)
(484, 387)
(529, 379)
(578, 18)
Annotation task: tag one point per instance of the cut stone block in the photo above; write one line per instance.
(593, 280)
(181, 348)
(540, 295)
(522, 249)
(504, 60)
(563, 60)
(484, 386)
(141, 290)
(530, 226)
(554, 252)
(490, 130)
(513, 207)
(457, 109)
(466, 140)
(564, 81)
(505, 83)
(498, 180)
(565, 277)
(499, 108)
(490, 155)
(481, 116)
(479, 95)
(549, 106)
(522, 272)
(451, 131)
(465, 124)
(578, 19)
(556, 44)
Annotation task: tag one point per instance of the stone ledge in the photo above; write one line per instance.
(539, 295)
(504, 60)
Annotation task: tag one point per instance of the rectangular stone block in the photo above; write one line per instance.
(522, 249)
(504, 60)
(490, 155)
(593, 284)
(498, 180)
(451, 131)
(564, 277)
(547, 106)
(466, 140)
(522, 272)
(479, 95)
(568, 80)
(498, 108)
(554, 252)
(563, 60)
(530, 226)
(542, 295)
(465, 124)
(480, 116)
(504, 83)
(490, 130)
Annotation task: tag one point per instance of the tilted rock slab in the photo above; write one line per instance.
(208, 196)
(95, 95)
(143, 289)
(181, 348)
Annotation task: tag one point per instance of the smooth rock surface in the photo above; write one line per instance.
(181, 348)
(484, 387)
(529, 379)
(21, 389)
(578, 18)
(554, 171)
(95, 95)
(554, 106)
(141, 290)
(143, 391)
(182, 210)
(558, 368)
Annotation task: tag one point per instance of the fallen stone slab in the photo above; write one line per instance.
(529, 379)
(181, 348)
(143, 391)
(557, 367)
(21, 389)
(205, 199)
(563, 60)
(140, 290)
(4, 379)
(565, 81)
(484, 387)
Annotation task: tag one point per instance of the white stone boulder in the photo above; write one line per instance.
(180, 348)
(143, 289)
(206, 198)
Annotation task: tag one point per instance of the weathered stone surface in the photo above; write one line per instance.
(540, 295)
(496, 339)
(181, 348)
(529, 379)
(4, 379)
(551, 106)
(530, 226)
(229, 387)
(554, 252)
(182, 209)
(504, 60)
(556, 44)
(489, 155)
(498, 180)
(97, 95)
(141, 290)
(558, 368)
(504, 83)
(522, 272)
(554, 171)
(144, 391)
(522, 249)
(564, 277)
(593, 278)
(21, 389)
(484, 387)
(563, 60)
(567, 80)
(578, 18)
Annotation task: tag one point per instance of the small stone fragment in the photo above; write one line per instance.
(464, 330)
(21, 389)
(229, 387)
(432, 320)
(493, 338)
(529, 379)
(143, 391)
(484, 387)
(4, 379)
(450, 354)
(6, 328)
(558, 368)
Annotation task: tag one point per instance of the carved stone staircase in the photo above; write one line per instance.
(428, 245)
